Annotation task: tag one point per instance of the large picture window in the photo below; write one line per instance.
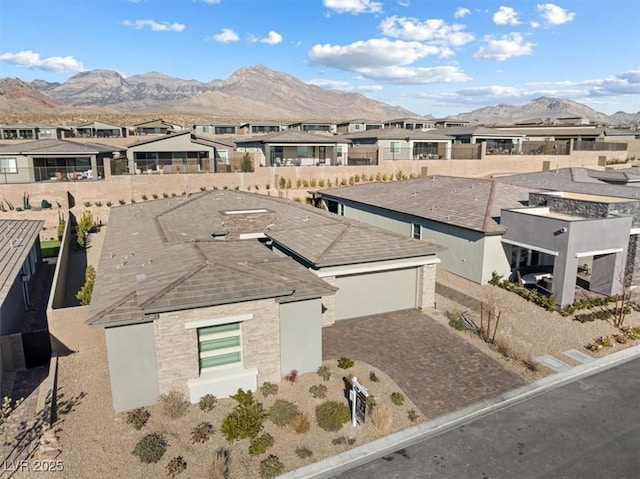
(8, 165)
(394, 147)
(219, 345)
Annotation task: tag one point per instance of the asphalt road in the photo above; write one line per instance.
(587, 429)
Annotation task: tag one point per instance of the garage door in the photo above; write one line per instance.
(373, 293)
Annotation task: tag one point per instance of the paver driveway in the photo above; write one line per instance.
(437, 369)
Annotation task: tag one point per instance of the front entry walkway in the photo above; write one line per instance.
(439, 371)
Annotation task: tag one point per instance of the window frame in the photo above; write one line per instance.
(416, 231)
(204, 337)
(9, 170)
(394, 147)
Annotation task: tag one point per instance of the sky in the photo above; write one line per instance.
(438, 57)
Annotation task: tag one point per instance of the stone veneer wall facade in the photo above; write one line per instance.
(329, 304)
(632, 270)
(177, 347)
(426, 286)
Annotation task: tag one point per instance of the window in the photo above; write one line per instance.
(219, 345)
(416, 231)
(394, 147)
(302, 152)
(8, 165)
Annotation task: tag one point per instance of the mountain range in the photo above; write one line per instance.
(251, 92)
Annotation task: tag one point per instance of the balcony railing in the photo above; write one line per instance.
(50, 173)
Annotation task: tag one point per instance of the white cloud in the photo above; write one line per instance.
(535, 24)
(155, 26)
(31, 59)
(226, 35)
(403, 75)
(506, 16)
(211, 2)
(273, 38)
(342, 85)
(404, 3)
(504, 47)
(353, 6)
(553, 14)
(434, 30)
(374, 53)
(462, 12)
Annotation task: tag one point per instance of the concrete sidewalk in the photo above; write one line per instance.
(340, 463)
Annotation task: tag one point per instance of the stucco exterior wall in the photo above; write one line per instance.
(301, 336)
(496, 258)
(132, 366)
(177, 347)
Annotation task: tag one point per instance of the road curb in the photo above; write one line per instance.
(360, 455)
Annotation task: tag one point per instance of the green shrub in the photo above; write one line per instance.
(268, 389)
(318, 391)
(85, 225)
(271, 467)
(246, 420)
(151, 448)
(85, 293)
(282, 183)
(207, 402)
(282, 412)
(122, 202)
(373, 377)
(87, 204)
(261, 444)
(324, 373)
(145, 197)
(345, 363)
(202, 432)
(61, 225)
(109, 204)
(174, 404)
(397, 398)
(246, 164)
(138, 418)
(331, 415)
(176, 466)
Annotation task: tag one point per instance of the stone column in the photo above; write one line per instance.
(426, 286)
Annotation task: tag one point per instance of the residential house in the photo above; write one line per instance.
(401, 144)
(296, 148)
(19, 262)
(357, 125)
(223, 290)
(54, 160)
(578, 133)
(450, 122)
(498, 142)
(412, 123)
(215, 128)
(100, 129)
(32, 131)
(261, 127)
(314, 126)
(156, 127)
(182, 152)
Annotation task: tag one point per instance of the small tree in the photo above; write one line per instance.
(84, 295)
(85, 225)
(61, 225)
(246, 164)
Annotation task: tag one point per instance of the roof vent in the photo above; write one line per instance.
(219, 234)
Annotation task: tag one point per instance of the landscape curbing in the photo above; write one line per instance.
(360, 455)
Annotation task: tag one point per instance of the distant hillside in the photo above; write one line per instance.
(254, 92)
(17, 96)
(540, 108)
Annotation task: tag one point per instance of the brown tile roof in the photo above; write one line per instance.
(160, 255)
(465, 202)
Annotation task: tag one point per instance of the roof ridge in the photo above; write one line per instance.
(152, 299)
(265, 276)
(333, 243)
(487, 213)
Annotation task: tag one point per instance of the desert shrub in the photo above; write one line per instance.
(218, 468)
(122, 202)
(145, 197)
(412, 415)
(109, 204)
(345, 363)
(455, 320)
(246, 164)
(371, 403)
(331, 415)
(207, 402)
(288, 183)
(505, 349)
(174, 404)
(138, 418)
(282, 412)
(292, 377)
(246, 419)
(373, 377)
(324, 373)
(397, 398)
(312, 182)
(305, 184)
(87, 204)
(154, 196)
(176, 466)
(338, 441)
(318, 391)
(202, 432)
(261, 444)
(98, 204)
(173, 195)
(271, 467)
(303, 452)
(84, 227)
(282, 183)
(300, 423)
(530, 364)
(165, 195)
(268, 389)
(382, 418)
(85, 293)
(151, 448)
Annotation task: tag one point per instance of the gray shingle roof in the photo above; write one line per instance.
(58, 146)
(399, 134)
(465, 202)
(293, 136)
(16, 239)
(161, 256)
(574, 180)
